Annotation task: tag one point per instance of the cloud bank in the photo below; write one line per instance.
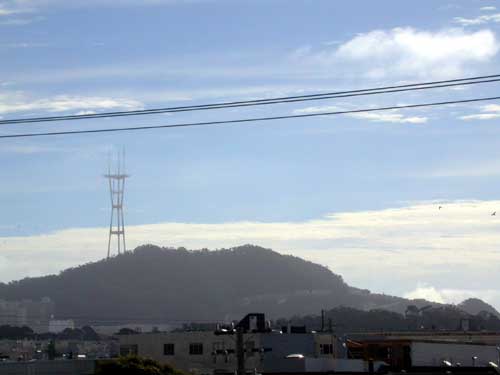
(387, 116)
(480, 20)
(408, 52)
(488, 112)
(393, 250)
(17, 103)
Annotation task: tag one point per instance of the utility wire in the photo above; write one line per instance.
(257, 102)
(248, 120)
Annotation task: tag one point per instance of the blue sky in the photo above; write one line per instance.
(83, 57)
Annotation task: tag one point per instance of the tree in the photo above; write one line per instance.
(15, 333)
(89, 334)
(133, 365)
(126, 331)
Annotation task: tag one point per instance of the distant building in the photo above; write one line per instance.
(33, 314)
(26, 350)
(138, 327)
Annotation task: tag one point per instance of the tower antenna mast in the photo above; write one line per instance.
(116, 182)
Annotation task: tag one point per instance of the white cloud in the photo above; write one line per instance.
(453, 248)
(407, 52)
(480, 116)
(6, 12)
(452, 296)
(63, 103)
(316, 109)
(9, 7)
(488, 8)
(10, 12)
(491, 108)
(426, 292)
(79, 113)
(489, 112)
(389, 117)
(480, 20)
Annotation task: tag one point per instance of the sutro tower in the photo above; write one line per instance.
(116, 192)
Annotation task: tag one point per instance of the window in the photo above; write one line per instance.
(168, 349)
(196, 349)
(326, 348)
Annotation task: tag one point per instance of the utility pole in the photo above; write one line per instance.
(240, 352)
(322, 320)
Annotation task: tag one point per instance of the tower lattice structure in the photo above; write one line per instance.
(116, 192)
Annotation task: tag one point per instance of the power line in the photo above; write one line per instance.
(270, 101)
(248, 120)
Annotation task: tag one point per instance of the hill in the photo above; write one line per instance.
(475, 306)
(165, 284)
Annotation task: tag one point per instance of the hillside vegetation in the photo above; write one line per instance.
(163, 284)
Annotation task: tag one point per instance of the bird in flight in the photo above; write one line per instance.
(494, 213)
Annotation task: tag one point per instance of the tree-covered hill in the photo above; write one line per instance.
(475, 306)
(153, 284)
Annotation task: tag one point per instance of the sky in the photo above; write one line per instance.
(358, 193)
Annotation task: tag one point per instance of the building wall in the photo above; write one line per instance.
(433, 354)
(283, 345)
(77, 367)
(152, 345)
(491, 338)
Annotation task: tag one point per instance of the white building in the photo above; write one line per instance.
(209, 352)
